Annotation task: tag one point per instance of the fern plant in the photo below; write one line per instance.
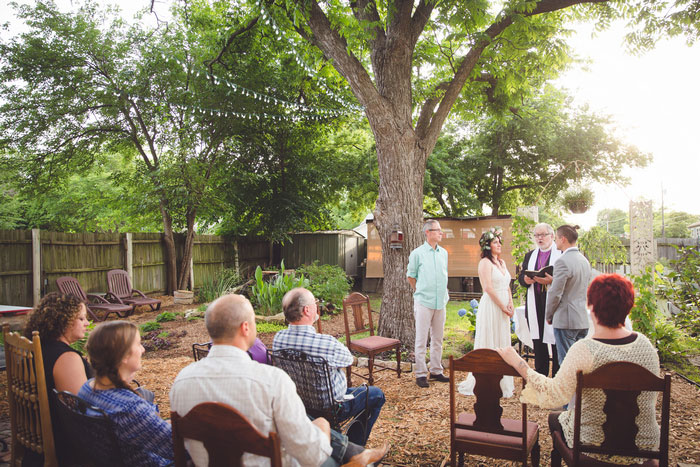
(267, 296)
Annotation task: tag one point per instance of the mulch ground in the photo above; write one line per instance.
(414, 421)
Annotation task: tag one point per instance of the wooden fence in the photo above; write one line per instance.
(32, 260)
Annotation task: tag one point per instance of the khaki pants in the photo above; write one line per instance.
(432, 322)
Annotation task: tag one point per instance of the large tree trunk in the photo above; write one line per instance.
(183, 278)
(400, 202)
(170, 252)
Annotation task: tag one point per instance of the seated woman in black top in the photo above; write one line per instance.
(61, 320)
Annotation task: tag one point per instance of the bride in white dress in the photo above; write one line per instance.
(495, 307)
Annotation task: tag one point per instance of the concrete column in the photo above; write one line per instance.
(642, 247)
(36, 266)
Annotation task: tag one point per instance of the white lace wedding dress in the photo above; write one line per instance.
(492, 328)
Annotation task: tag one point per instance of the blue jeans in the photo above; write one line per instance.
(355, 406)
(565, 338)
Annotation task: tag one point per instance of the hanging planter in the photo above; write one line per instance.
(578, 200)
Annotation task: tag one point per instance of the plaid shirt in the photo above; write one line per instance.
(306, 339)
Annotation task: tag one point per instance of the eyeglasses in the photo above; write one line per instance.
(434, 230)
(541, 235)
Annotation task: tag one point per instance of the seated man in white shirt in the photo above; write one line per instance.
(265, 395)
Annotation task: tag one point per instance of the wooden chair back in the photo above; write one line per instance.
(488, 368)
(119, 284)
(91, 432)
(355, 306)
(225, 433)
(622, 383)
(30, 418)
(70, 286)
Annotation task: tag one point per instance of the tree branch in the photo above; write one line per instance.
(210, 63)
(472, 57)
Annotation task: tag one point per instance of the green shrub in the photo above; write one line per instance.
(163, 335)
(267, 296)
(166, 316)
(681, 286)
(202, 307)
(265, 327)
(327, 282)
(222, 283)
(150, 326)
(194, 318)
(649, 320)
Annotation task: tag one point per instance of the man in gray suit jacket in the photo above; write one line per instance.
(566, 296)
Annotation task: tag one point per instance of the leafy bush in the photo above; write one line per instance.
(681, 286)
(265, 327)
(268, 295)
(649, 320)
(327, 282)
(166, 316)
(602, 247)
(222, 283)
(150, 327)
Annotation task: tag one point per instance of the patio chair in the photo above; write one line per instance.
(199, 351)
(91, 433)
(312, 377)
(225, 433)
(622, 383)
(30, 418)
(356, 304)
(70, 286)
(120, 289)
(485, 433)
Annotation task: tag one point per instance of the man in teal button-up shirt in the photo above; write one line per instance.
(427, 275)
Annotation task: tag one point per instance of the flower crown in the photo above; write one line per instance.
(488, 236)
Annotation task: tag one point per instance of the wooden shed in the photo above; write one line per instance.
(460, 239)
(344, 248)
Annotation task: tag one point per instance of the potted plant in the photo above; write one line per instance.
(578, 200)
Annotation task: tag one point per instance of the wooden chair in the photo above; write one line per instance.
(622, 383)
(120, 289)
(199, 351)
(355, 305)
(70, 286)
(91, 432)
(226, 435)
(484, 432)
(312, 377)
(30, 418)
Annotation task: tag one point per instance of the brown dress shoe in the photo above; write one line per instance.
(422, 382)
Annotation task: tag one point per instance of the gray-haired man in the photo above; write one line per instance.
(427, 275)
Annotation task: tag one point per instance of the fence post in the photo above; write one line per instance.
(130, 256)
(192, 270)
(36, 265)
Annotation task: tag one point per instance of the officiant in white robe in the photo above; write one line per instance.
(541, 332)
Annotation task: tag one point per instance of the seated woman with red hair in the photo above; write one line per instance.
(610, 298)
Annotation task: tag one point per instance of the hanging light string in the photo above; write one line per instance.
(269, 20)
(246, 92)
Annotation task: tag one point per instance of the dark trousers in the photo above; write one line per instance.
(542, 358)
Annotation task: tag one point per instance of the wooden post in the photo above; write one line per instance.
(36, 265)
(130, 256)
(192, 270)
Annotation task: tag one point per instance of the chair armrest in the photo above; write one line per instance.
(113, 298)
(97, 298)
(133, 291)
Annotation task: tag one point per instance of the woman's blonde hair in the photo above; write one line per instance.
(107, 346)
